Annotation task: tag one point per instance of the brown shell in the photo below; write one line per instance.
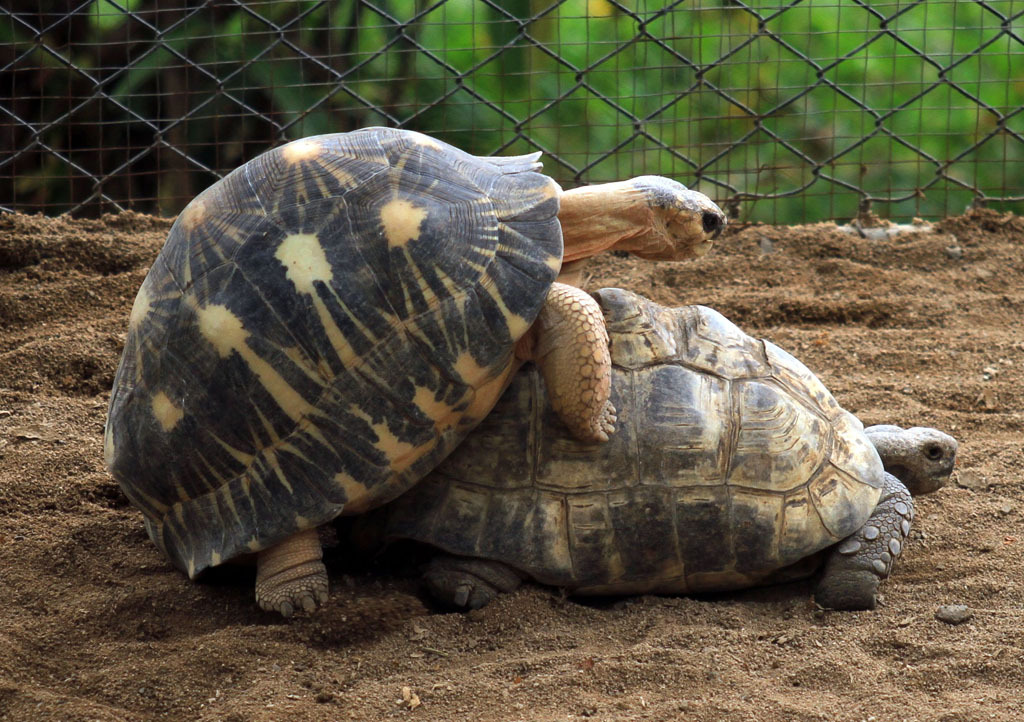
(731, 461)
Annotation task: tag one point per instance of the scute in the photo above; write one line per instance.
(731, 462)
(780, 442)
(300, 314)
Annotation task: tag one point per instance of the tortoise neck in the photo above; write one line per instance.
(598, 218)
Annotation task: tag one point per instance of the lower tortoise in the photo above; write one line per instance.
(327, 322)
(732, 466)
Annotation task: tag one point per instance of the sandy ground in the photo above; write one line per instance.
(924, 329)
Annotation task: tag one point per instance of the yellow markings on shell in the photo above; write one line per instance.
(140, 309)
(151, 502)
(425, 140)
(470, 372)
(166, 411)
(237, 454)
(316, 372)
(229, 500)
(271, 458)
(306, 263)
(226, 332)
(109, 449)
(222, 328)
(401, 220)
(194, 214)
(517, 325)
(183, 498)
(400, 454)
(288, 448)
(300, 150)
(215, 559)
(355, 492)
(443, 415)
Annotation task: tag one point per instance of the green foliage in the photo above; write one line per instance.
(792, 113)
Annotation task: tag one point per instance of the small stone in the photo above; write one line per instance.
(324, 697)
(953, 613)
(989, 372)
(766, 244)
(970, 479)
(986, 399)
(955, 252)
(1006, 508)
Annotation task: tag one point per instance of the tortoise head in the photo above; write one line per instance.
(652, 217)
(684, 223)
(922, 458)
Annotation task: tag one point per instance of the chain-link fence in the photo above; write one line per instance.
(785, 112)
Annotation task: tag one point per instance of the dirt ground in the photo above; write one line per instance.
(920, 329)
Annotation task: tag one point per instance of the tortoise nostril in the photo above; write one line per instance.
(712, 222)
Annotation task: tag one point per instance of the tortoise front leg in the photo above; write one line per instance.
(858, 563)
(291, 575)
(569, 343)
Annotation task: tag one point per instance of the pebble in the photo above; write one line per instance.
(953, 613)
(955, 252)
(970, 479)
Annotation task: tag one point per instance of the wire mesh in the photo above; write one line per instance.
(783, 111)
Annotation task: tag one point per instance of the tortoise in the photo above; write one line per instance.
(732, 466)
(324, 324)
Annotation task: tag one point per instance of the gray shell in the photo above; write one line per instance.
(321, 327)
(731, 461)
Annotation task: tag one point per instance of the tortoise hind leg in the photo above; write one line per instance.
(569, 342)
(291, 575)
(858, 563)
(468, 583)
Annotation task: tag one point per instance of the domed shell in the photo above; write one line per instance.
(321, 327)
(731, 461)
